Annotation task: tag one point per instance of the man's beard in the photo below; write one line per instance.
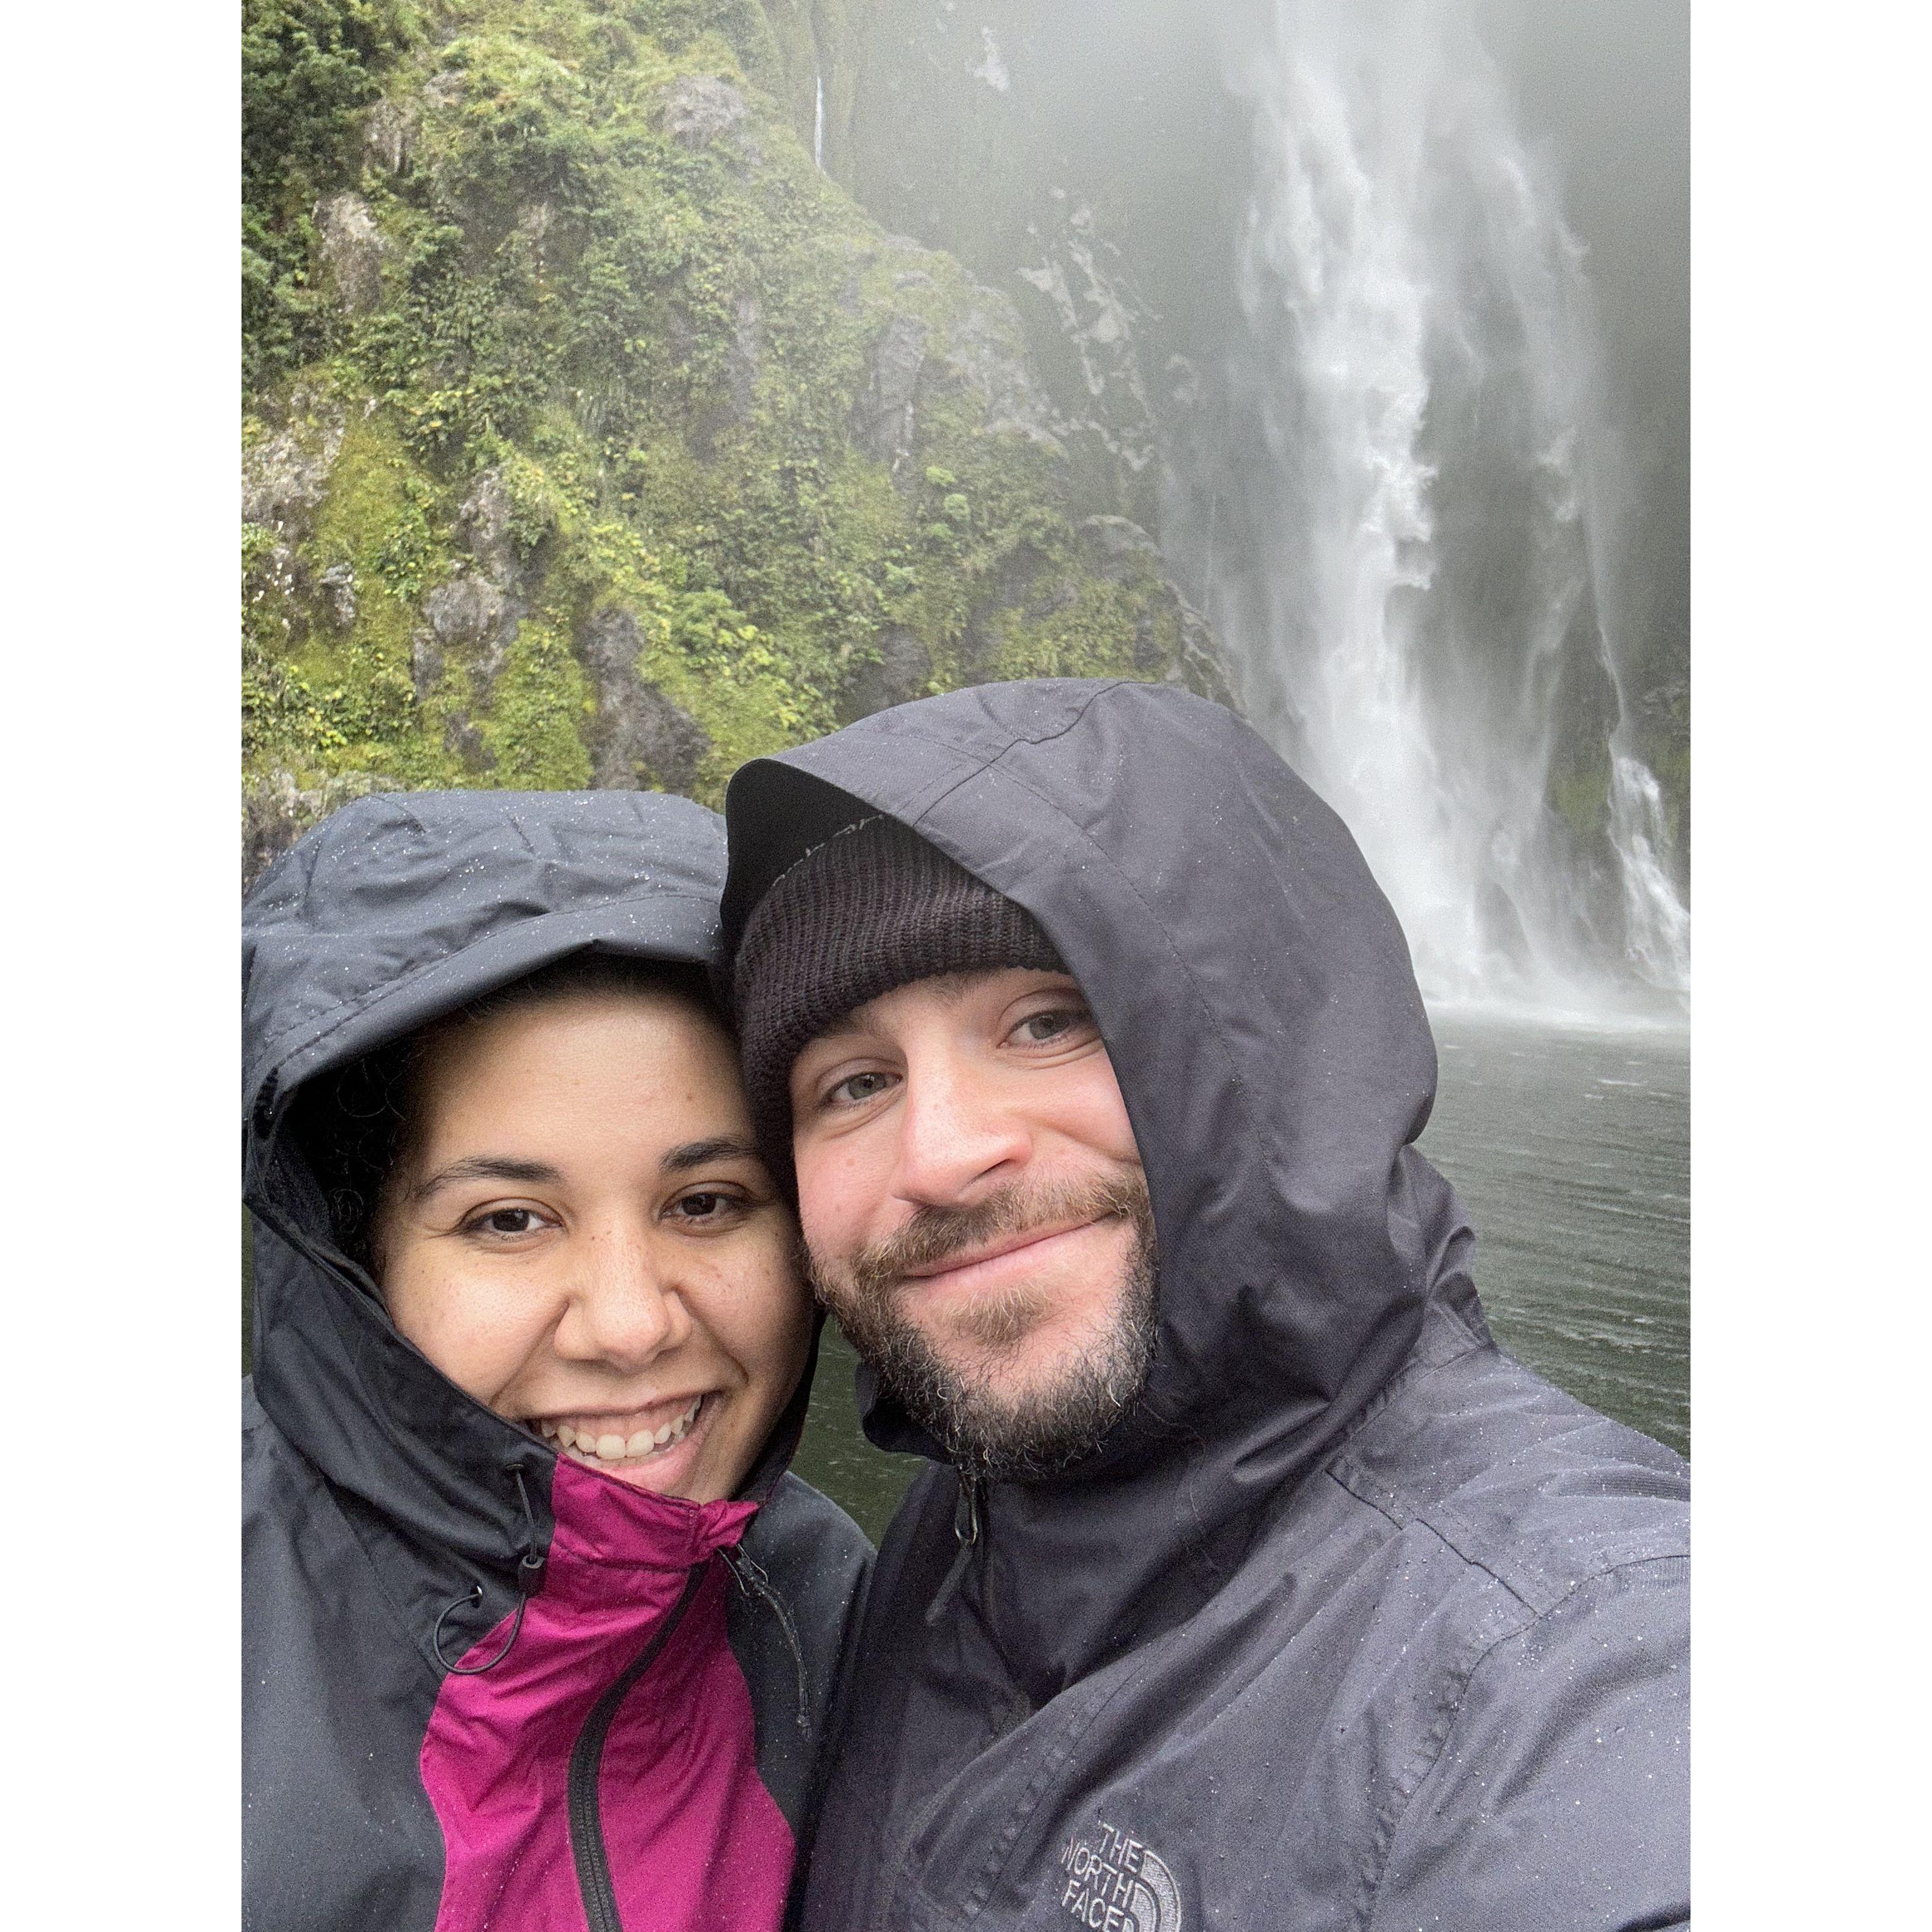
(986, 1431)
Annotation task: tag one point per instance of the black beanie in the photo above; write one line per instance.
(874, 907)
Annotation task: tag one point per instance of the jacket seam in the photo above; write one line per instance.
(1341, 1468)
(923, 803)
(1454, 1529)
(1398, 1815)
(1418, 1364)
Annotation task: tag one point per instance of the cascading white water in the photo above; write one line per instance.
(1657, 925)
(1416, 478)
(818, 120)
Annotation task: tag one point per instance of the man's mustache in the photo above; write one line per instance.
(935, 1234)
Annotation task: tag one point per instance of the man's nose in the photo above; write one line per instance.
(957, 1129)
(625, 1308)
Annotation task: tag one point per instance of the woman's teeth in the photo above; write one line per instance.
(610, 1447)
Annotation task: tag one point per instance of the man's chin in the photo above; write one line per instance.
(1021, 1389)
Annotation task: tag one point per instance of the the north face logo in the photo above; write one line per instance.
(1115, 1884)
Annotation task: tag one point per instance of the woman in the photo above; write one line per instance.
(538, 1631)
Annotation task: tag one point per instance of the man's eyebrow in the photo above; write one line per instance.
(702, 1153)
(951, 988)
(486, 1167)
(845, 1024)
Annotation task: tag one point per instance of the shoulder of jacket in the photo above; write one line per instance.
(1519, 1479)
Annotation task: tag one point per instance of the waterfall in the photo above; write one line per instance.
(1402, 509)
(818, 116)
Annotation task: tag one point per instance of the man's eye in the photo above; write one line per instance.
(856, 1087)
(1037, 1029)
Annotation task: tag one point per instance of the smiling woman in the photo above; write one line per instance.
(531, 1354)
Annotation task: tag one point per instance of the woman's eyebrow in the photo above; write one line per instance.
(486, 1167)
(701, 1153)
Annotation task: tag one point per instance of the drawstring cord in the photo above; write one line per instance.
(966, 1531)
(753, 1581)
(530, 1580)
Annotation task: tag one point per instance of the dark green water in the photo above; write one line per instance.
(1571, 1151)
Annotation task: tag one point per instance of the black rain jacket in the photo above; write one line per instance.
(644, 1753)
(1353, 1621)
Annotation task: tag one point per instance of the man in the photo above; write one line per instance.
(1261, 1591)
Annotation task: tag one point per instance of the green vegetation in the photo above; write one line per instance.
(555, 334)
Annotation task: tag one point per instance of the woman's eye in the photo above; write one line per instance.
(506, 1221)
(856, 1088)
(707, 1207)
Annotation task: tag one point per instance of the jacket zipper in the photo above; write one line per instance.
(966, 1533)
(586, 1762)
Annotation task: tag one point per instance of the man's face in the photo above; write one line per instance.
(976, 1215)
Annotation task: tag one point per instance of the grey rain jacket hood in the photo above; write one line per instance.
(394, 1525)
(1352, 1621)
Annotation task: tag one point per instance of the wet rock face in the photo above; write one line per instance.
(980, 352)
(985, 354)
(1119, 549)
(388, 134)
(641, 738)
(284, 479)
(884, 421)
(285, 474)
(1117, 545)
(699, 108)
(351, 249)
(485, 524)
(276, 812)
(903, 672)
(469, 618)
(472, 617)
(338, 587)
(1082, 293)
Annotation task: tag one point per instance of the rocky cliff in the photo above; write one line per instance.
(594, 435)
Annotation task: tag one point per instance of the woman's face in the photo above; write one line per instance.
(580, 1236)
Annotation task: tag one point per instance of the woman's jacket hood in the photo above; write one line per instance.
(397, 909)
(1256, 994)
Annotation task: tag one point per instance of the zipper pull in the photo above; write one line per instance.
(753, 1582)
(966, 1531)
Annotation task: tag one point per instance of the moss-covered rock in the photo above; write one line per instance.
(593, 435)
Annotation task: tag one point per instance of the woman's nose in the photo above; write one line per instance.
(622, 1309)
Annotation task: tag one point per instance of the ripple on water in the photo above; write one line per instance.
(1577, 1176)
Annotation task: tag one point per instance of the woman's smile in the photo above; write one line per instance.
(635, 1446)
